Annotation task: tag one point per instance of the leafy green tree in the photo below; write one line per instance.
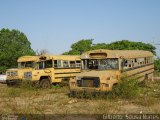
(86, 45)
(100, 46)
(80, 46)
(126, 45)
(157, 64)
(13, 44)
(129, 45)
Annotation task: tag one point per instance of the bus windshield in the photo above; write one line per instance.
(26, 64)
(101, 64)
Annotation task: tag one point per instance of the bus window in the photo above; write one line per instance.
(135, 60)
(126, 63)
(72, 64)
(41, 65)
(48, 64)
(57, 63)
(78, 63)
(65, 63)
(25, 64)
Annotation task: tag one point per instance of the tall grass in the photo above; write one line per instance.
(127, 88)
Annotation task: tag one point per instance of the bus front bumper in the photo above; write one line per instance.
(13, 82)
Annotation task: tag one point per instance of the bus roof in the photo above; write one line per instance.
(102, 53)
(60, 57)
(27, 58)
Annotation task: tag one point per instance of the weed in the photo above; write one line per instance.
(56, 86)
(128, 88)
(29, 85)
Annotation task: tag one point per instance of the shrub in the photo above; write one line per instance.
(157, 64)
(127, 88)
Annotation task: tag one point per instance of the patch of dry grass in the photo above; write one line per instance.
(25, 100)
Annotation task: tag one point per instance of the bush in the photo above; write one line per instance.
(26, 85)
(128, 88)
(157, 64)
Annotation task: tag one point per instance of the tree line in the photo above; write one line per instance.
(86, 45)
(14, 44)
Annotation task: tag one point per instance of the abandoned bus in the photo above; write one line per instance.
(54, 69)
(102, 69)
(15, 75)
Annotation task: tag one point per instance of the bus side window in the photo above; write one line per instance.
(145, 61)
(41, 65)
(135, 60)
(128, 63)
(65, 64)
(48, 64)
(125, 64)
(78, 63)
(72, 64)
(57, 63)
(150, 59)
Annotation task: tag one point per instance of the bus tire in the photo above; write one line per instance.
(45, 83)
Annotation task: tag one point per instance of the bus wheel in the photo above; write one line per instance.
(45, 83)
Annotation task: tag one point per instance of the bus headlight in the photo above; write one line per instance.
(12, 73)
(27, 75)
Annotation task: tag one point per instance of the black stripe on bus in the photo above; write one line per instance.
(67, 73)
(137, 67)
(140, 72)
(64, 77)
(69, 68)
(143, 75)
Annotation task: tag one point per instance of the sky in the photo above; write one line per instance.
(56, 24)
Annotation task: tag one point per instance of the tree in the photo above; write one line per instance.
(130, 45)
(86, 45)
(157, 64)
(80, 46)
(13, 44)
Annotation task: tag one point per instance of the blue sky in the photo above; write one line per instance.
(56, 24)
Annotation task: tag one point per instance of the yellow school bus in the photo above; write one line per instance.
(15, 75)
(102, 69)
(54, 69)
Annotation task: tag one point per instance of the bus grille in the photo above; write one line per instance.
(88, 82)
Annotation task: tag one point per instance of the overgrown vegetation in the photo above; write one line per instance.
(128, 88)
(157, 64)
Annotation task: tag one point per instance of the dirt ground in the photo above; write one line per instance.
(56, 101)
